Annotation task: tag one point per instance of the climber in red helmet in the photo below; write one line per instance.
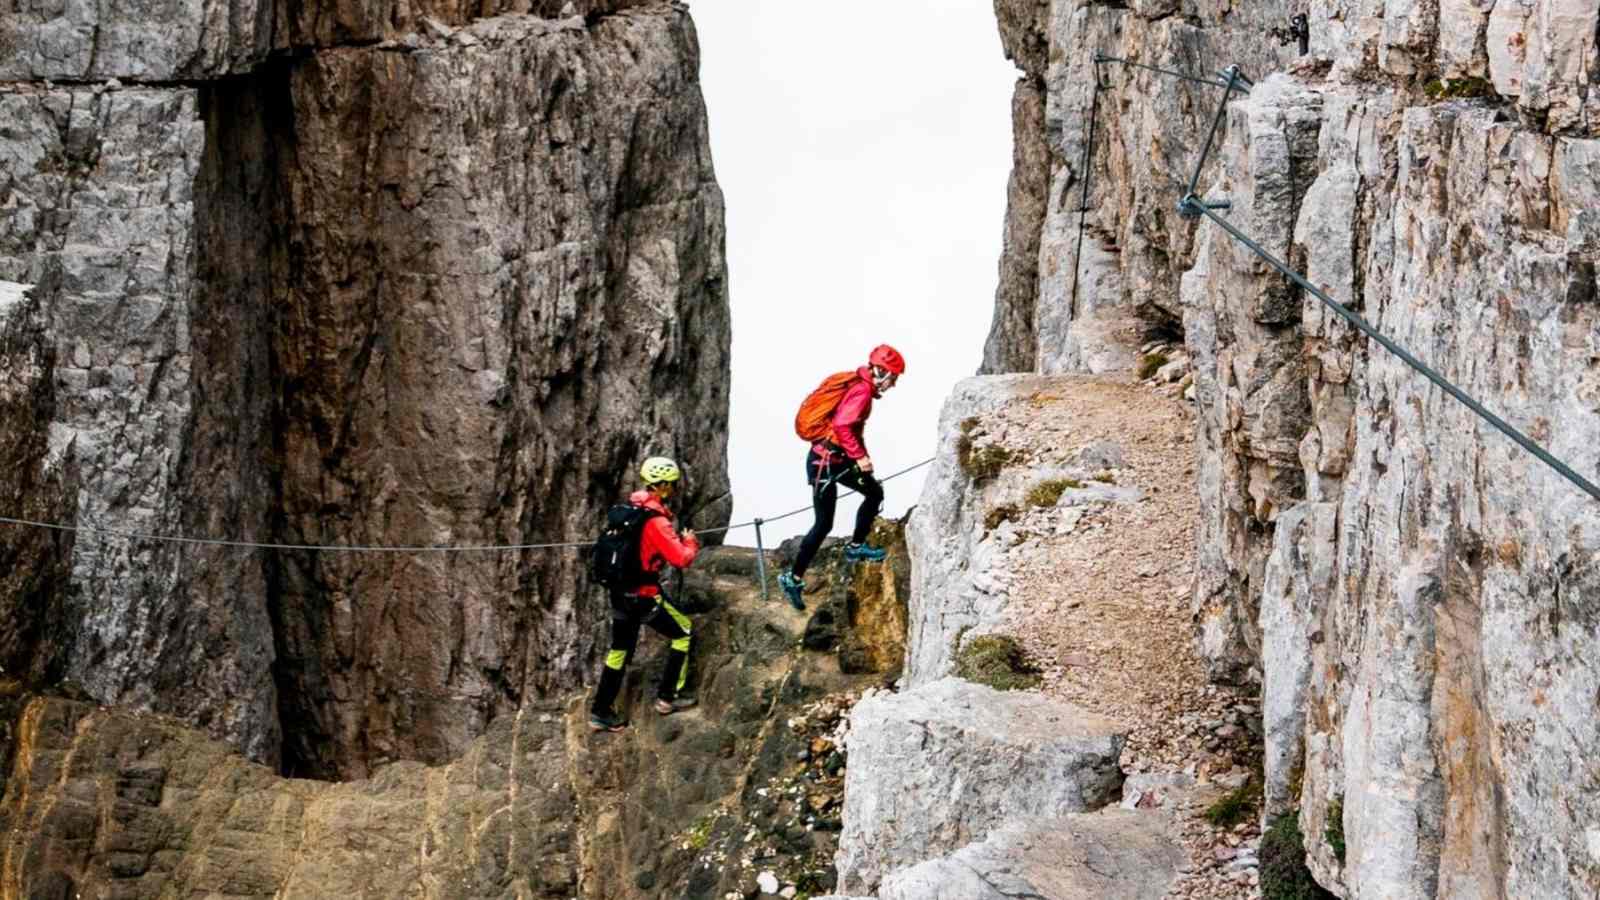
(840, 457)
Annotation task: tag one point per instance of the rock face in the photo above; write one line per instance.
(953, 590)
(1011, 344)
(860, 610)
(432, 279)
(1404, 581)
(939, 767)
(76, 40)
(35, 564)
(1111, 853)
(1090, 314)
(962, 570)
(105, 802)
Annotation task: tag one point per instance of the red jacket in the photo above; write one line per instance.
(850, 417)
(659, 546)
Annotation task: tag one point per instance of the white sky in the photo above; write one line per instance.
(864, 149)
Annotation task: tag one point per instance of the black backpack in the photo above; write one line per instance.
(614, 562)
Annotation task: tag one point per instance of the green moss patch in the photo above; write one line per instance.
(1284, 875)
(1235, 806)
(1046, 493)
(996, 660)
(1333, 830)
(980, 463)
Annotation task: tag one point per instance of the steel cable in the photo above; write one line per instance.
(367, 548)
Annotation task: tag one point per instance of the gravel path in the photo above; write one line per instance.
(1100, 602)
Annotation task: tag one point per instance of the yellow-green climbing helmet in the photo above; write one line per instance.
(657, 469)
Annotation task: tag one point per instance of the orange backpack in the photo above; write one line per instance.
(814, 421)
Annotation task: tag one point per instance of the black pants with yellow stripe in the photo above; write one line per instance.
(628, 613)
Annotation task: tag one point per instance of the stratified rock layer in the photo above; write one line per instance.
(443, 289)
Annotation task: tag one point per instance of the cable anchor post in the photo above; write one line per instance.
(1189, 207)
(761, 559)
(1298, 30)
(1085, 169)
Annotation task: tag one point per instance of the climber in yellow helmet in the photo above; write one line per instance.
(639, 541)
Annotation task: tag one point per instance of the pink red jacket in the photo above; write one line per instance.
(659, 546)
(850, 417)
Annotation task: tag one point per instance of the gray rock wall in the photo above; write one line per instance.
(1012, 346)
(1134, 245)
(1409, 586)
(139, 40)
(35, 564)
(430, 279)
(959, 583)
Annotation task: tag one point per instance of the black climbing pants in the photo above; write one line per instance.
(825, 481)
(628, 613)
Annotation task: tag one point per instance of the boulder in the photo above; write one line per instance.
(940, 766)
(1111, 853)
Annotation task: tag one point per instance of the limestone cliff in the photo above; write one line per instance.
(347, 274)
(1412, 590)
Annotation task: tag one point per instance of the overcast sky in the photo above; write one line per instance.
(863, 148)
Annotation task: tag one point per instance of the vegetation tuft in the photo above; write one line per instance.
(997, 661)
(1235, 806)
(1284, 875)
(700, 833)
(998, 515)
(1046, 493)
(1151, 363)
(1468, 88)
(980, 463)
(1333, 831)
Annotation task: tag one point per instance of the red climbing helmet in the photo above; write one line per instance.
(886, 357)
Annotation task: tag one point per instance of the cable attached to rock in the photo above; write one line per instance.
(1405, 356)
(1192, 206)
(1183, 76)
(1234, 82)
(1083, 202)
(370, 548)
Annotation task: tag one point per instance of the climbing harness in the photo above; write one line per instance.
(1192, 206)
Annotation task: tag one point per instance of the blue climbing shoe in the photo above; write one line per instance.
(863, 553)
(607, 722)
(676, 704)
(793, 587)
